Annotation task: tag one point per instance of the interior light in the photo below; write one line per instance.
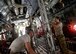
(74, 27)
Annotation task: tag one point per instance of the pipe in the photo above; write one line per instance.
(45, 18)
(9, 2)
(21, 10)
(16, 11)
(3, 8)
(53, 2)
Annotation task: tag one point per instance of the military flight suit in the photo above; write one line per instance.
(60, 38)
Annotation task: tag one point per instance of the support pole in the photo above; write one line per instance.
(46, 25)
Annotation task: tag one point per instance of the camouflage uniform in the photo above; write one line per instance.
(60, 38)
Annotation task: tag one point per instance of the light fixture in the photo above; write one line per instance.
(74, 27)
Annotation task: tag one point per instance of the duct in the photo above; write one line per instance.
(3, 8)
(31, 5)
(1, 4)
(53, 3)
(16, 11)
(5, 11)
(18, 8)
(13, 2)
(9, 3)
(21, 10)
(2, 19)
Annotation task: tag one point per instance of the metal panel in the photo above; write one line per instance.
(31, 5)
